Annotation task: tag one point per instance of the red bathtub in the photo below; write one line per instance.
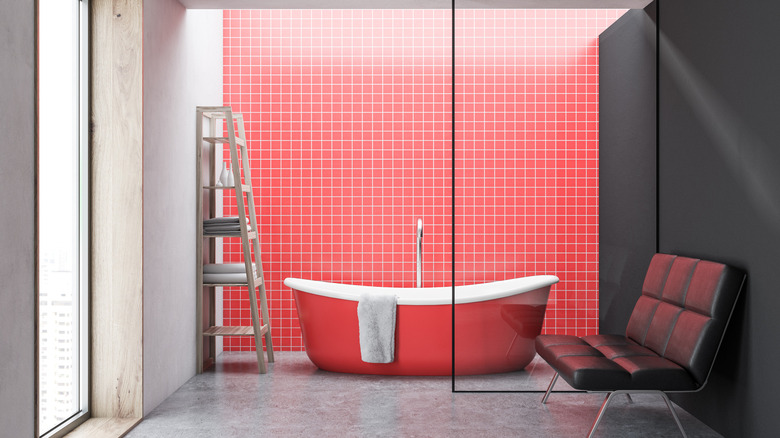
(495, 326)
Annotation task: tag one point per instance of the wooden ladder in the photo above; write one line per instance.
(225, 127)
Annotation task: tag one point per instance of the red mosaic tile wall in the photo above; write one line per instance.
(349, 121)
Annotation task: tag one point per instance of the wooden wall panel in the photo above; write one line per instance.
(117, 208)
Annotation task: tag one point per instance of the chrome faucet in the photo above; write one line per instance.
(419, 252)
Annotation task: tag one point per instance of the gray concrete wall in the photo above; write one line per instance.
(627, 164)
(182, 69)
(720, 188)
(17, 219)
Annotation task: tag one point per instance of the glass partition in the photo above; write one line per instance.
(526, 186)
(348, 115)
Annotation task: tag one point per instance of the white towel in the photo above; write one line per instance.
(376, 321)
(225, 268)
(226, 278)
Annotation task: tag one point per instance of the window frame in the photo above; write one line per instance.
(83, 414)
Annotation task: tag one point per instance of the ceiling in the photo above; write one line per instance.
(414, 4)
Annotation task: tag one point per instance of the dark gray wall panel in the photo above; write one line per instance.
(627, 164)
(720, 188)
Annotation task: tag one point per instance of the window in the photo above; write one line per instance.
(62, 216)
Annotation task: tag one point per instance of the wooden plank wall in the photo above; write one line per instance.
(116, 208)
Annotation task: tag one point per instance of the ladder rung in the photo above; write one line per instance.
(215, 140)
(234, 330)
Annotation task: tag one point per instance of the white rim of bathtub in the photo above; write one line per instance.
(427, 296)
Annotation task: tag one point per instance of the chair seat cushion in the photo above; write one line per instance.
(554, 347)
(614, 346)
(611, 362)
(656, 373)
(592, 373)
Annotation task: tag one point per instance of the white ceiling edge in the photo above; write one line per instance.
(414, 4)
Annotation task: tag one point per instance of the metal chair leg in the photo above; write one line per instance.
(609, 397)
(674, 414)
(550, 387)
(601, 414)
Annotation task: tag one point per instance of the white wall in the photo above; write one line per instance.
(182, 69)
(17, 219)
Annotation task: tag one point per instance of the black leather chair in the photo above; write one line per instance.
(671, 341)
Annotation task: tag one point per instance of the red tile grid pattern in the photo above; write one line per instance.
(349, 121)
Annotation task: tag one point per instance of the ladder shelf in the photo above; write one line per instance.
(220, 126)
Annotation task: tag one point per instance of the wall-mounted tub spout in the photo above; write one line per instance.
(419, 252)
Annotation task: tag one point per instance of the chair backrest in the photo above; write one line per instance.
(684, 310)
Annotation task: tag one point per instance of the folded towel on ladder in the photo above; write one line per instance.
(376, 322)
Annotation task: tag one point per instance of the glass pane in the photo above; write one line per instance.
(348, 116)
(526, 157)
(59, 234)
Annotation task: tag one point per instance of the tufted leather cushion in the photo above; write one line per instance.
(671, 338)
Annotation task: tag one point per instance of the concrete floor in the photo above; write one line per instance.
(295, 399)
